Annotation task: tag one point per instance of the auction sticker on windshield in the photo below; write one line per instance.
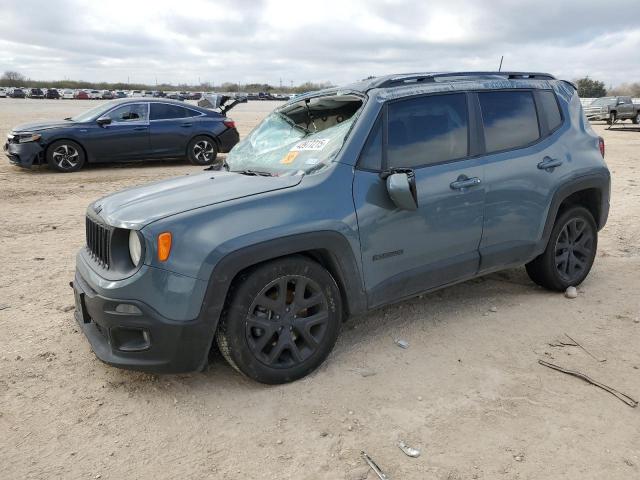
(316, 144)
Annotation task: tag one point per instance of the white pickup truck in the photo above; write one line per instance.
(612, 109)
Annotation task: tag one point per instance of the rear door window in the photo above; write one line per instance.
(164, 111)
(509, 119)
(427, 130)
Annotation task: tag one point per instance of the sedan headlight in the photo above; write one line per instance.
(25, 137)
(135, 247)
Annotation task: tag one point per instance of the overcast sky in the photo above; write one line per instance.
(337, 41)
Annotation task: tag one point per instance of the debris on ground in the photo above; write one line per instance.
(519, 457)
(619, 395)
(402, 343)
(408, 451)
(493, 309)
(585, 350)
(4, 306)
(376, 469)
(365, 372)
(571, 292)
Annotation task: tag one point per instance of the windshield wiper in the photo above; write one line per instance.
(255, 173)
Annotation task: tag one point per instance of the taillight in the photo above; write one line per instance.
(229, 123)
(601, 146)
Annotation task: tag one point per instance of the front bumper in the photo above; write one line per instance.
(24, 154)
(145, 341)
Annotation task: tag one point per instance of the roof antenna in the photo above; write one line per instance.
(500, 67)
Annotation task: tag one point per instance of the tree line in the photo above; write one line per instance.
(587, 87)
(16, 79)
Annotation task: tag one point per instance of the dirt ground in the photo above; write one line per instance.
(468, 391)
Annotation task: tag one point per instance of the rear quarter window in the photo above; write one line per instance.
(509, 118)
(550, 110)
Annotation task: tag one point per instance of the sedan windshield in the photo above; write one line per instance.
(93, 113)
(300, 137)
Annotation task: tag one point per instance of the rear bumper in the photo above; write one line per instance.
(228, 139)
(131, 334)
(23, 154)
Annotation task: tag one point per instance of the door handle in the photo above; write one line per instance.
(463, 182)
(549, 164)
(186, 125)
(139, 129)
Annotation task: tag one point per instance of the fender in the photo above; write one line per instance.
(600, 181)
(336, 254)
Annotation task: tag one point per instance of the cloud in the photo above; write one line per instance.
(337, 41)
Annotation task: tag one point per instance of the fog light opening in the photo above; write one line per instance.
(128, 309)
(130, 339)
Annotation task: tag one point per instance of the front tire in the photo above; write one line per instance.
(570, 251)
(65, 156)
(281, 321)
(202, 150)
(636, 119)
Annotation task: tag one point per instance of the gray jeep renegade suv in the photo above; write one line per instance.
(339, 202)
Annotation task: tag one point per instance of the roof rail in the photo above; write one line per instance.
(398, 80)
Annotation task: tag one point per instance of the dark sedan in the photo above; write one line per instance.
(52, 94)
(123, 131)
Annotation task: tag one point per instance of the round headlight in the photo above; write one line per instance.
(135, 247)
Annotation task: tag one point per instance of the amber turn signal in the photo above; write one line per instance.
(164, 246)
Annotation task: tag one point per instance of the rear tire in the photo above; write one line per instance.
(281, 321)
(202, 150)
(65, 156)
(636, 119)
(570, 251)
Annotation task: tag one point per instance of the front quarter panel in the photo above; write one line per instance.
(202, 238)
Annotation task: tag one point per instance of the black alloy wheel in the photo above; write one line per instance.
(281, 320)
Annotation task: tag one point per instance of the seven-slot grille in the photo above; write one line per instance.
(99, 242)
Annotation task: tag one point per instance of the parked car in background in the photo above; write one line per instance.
(67, 94)
(35, 93)
(52, 94)
(81, 95)
(135, 93)
(123, 131)
(119, 94)
(195, 96)
(107, 95)
(94, 94)
(612, 109)
(175, 96)
(338, 203)
(3, 92)
(17, 93)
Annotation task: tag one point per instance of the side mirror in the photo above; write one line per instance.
(402, 190)
(102, 121)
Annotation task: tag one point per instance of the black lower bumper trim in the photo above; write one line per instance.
(172, 347)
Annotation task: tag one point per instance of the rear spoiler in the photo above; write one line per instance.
(214, 100)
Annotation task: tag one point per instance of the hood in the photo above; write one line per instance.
(39, 126)
(139, 206)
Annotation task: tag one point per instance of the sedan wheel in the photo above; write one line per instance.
(65, 156)
(202, 151)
